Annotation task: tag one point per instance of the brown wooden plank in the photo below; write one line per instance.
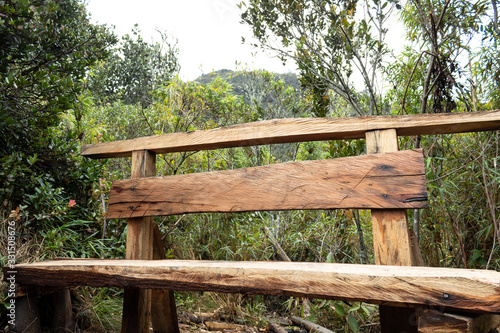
(443, 288)
(371, 181)
(298, 130)
(137, 302)
(391, 240)
(431, 321)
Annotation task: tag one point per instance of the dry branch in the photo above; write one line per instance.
(310, 326)
(276, 328)
(279, 250)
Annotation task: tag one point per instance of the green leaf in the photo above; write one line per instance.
(339, 309)
(329, 257)
(354, 308)
(353, 323)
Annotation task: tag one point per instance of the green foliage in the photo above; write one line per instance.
(461, 229)
(47, 46)
(99, 310)
(134, 70)
(329, 42)
(438, 72)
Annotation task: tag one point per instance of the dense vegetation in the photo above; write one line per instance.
(65, 82)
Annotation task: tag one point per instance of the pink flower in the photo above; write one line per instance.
(71, 203)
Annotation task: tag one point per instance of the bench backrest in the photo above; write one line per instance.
(390, 180)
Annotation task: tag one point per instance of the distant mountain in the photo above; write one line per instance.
(259, 90)
(240, 80)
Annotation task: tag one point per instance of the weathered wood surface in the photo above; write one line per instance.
(393, 180)
(391, 240)
(137, 302)
(298, 130)
(432, 321)
(163, 309)
(62, 319)
(471, 290)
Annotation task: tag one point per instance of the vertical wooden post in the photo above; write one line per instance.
(391, 240)
(62, 320)
(163, 309)
(137, 302)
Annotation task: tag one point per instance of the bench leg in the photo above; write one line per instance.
(136, 310)
(398, 320)
(137, 302)
(163, 309)
(163, 312)
(62, 320)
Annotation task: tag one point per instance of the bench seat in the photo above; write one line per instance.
(450, 288)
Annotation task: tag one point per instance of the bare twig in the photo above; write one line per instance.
(403, 102)
(276, 328)
(279, 250)
(173, 227)
(310, 326)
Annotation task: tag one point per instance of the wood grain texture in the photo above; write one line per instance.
(446, 288)
(139, 246)
(391, 240)
(163, 309)
(371, 181)
(298, 130)
(391, 237)
(432, 321)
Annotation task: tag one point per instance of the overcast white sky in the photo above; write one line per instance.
(208, 31)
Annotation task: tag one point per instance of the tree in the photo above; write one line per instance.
(330, 43)
(134, 70)
(486, 66)
(430, 70)
(47, 48)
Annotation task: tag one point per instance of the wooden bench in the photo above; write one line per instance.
(386, 180)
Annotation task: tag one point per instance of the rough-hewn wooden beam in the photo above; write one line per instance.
(392, 180)
(137, 302)
(432, 321)
(163, 308)
(471, 290)
(298, 130)
(391, 240)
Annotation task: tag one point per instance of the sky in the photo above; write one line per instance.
(208, 32)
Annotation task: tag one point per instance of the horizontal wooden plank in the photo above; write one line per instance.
(391, 180)
(298, 130)
(470, 290)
